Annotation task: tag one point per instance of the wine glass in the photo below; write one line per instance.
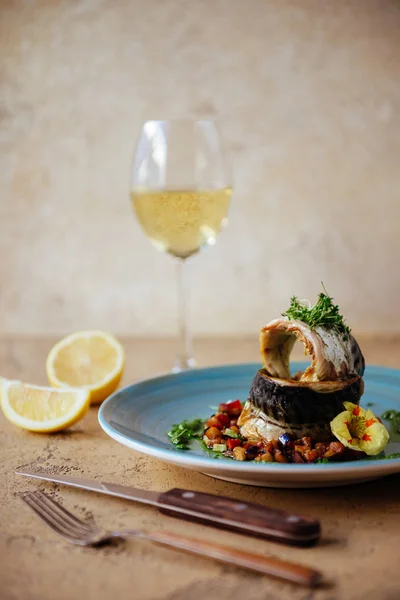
(180, 193)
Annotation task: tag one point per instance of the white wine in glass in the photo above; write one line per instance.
(180, 192)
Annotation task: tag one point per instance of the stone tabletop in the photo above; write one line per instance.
(358, 553)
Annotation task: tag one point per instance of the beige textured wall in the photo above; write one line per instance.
(308, 97)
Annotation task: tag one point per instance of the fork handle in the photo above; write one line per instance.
(255, 562)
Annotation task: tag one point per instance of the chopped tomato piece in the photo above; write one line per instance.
(228, 407)
(223, 419)
(234, 405)
(233, 443)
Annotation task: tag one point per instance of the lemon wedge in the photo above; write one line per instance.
(90, 360)
(42, 409)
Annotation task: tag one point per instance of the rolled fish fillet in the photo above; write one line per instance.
(305, 404)
(333, 355)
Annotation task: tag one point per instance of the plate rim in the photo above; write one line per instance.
(184, 459)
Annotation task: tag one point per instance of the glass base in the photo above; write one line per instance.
(183, 364)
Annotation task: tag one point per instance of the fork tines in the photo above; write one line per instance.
(57, 517)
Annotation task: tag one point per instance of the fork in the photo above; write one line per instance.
(83, 533)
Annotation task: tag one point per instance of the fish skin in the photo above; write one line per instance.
(333, 355)
(277, 406)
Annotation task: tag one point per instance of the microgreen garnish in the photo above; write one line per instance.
(208, 450)
(382, 456)
(394, 417)
(324, 313)
(181, 433)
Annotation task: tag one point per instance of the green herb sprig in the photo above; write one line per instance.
(324, 313)
(382, 456)
(208, 450)
(394, 417)
(181, 433)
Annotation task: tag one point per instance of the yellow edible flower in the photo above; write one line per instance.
(359, 429)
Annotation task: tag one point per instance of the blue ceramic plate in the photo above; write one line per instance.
(140, 415)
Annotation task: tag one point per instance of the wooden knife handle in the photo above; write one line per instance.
(241, 516)
(255, 562)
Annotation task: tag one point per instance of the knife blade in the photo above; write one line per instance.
(236, 515)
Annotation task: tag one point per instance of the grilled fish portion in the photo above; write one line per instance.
(276, 406)
(305, 404)
(334, 356)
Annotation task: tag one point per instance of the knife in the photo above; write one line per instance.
(220, 511)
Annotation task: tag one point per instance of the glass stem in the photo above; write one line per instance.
(184, 359)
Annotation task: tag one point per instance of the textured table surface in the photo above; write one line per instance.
(358, 552)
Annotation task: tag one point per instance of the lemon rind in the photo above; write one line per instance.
(81, 407)
(113, 377)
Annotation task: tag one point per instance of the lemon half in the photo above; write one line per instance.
(42, 409)
(89, 360)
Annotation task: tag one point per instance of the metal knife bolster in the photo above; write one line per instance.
(220, 511)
